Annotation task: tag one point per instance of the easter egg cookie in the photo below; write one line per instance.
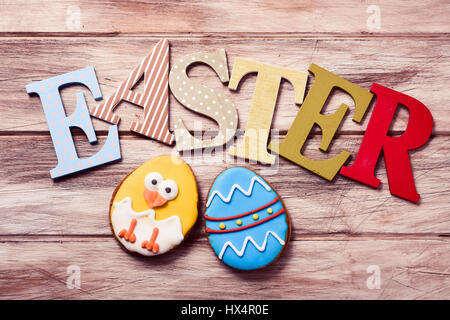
(246, 221)
(155, 206)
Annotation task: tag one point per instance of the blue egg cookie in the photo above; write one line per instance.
(246, 222)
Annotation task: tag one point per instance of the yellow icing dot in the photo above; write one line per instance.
(239, 222)
(222, 225)
(269, 211)
(255, 217)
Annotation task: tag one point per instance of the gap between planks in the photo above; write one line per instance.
(334, 236)
(131, 135)
(231, 35)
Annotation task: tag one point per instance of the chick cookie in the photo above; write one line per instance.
(247, 223)
(155, 206)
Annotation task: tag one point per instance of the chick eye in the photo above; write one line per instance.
(168, 189)
(153, 180)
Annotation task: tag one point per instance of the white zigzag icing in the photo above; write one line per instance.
(240, 253)
(236, 186)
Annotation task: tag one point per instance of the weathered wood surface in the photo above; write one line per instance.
(339, 228)
(206, 17)
(420, 68)
(34, 204)
(310, 268)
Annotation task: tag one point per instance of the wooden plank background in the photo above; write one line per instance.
(339, 228)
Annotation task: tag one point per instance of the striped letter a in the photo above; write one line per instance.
(154, 99)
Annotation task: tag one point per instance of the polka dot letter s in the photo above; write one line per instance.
(204, 100)
(59, 124)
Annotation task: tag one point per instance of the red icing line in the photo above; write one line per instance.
(243, 214)
(247, 226)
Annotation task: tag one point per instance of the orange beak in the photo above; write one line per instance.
(154, 199)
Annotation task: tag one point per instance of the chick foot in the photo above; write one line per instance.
(128, 235)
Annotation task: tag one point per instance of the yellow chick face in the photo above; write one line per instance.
(165, 184)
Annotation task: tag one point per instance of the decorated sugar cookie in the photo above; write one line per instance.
(155, 206)
(246, 221)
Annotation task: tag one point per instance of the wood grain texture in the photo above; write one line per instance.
(419, 68)
(339, 228)
(315, 268)
(315, 205)
(231, 16)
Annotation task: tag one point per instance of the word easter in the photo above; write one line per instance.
(206, 101)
